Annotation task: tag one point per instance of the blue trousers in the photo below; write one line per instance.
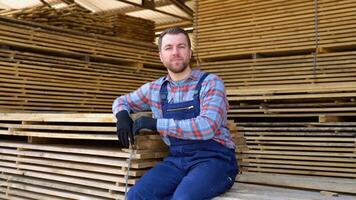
(191, 172)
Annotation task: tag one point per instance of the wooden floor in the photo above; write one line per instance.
(243, 191)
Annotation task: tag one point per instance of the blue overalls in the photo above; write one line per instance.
(194, 169)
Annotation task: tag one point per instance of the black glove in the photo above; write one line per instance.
(144, 123)
(124, 127)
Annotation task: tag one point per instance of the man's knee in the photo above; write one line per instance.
(136, 193)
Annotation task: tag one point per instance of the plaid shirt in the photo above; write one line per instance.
(210, 124)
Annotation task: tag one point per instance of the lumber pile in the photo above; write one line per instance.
(47, 166)
(278, 72)
(77, 18)
(301, 85)
(51, 40)
(289, 72)
(324, 149)
(41, 82)
(277, 150)
(130, 27)
(297, 101)
(71, 156)
(237, 29)
(250, 191)
(247, 27)
(44, 68)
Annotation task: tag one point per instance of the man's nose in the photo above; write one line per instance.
(175, 50)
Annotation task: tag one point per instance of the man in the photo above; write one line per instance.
(189, 111)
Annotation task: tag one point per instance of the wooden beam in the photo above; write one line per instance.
(45, 3)
(180, 4)
(68, 1)
(154, 9)
(148, 4)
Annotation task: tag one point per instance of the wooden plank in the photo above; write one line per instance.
(248, 191)
(306, 182)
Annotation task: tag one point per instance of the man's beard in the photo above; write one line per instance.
(177, 69)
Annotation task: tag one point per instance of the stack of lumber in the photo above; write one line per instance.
(287, 70)
(46, 167)
(236, 28)
(248, 191)
(77, 18)
(51, 40)
(300, 148)
(240, 28)
(336, 24)
(51, 169)
(130, 27)
(301, 85)
(39, 82)
(297, 101)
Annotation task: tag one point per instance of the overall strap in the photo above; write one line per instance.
(198, 86)
(163, 92)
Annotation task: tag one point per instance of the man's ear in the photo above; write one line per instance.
(160, 56)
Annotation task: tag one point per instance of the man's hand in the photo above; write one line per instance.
(144, 123)
(124, 127)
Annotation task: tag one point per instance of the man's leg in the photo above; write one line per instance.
(206, 180)
(159, 183)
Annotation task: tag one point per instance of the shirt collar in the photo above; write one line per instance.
(194, 75)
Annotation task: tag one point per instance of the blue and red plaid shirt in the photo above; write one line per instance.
(210, 124)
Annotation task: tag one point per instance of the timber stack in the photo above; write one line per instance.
(57, 134)
(290, 77)
(75, 17)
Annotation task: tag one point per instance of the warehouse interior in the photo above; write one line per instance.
(288, 69)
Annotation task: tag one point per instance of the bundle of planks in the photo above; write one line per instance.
(289, 85)
(77, 18)
(40, 82)
(130, 27)
(289, 72)
(300, 148)
(51, 40)
(307, 69)
(272, 28)
(47, 167)
(50, 69)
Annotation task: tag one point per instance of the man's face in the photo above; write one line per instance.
(175, 53)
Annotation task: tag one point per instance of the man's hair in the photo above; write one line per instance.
(173, 31)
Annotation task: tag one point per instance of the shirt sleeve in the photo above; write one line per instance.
(213, 112)
(135, 101)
